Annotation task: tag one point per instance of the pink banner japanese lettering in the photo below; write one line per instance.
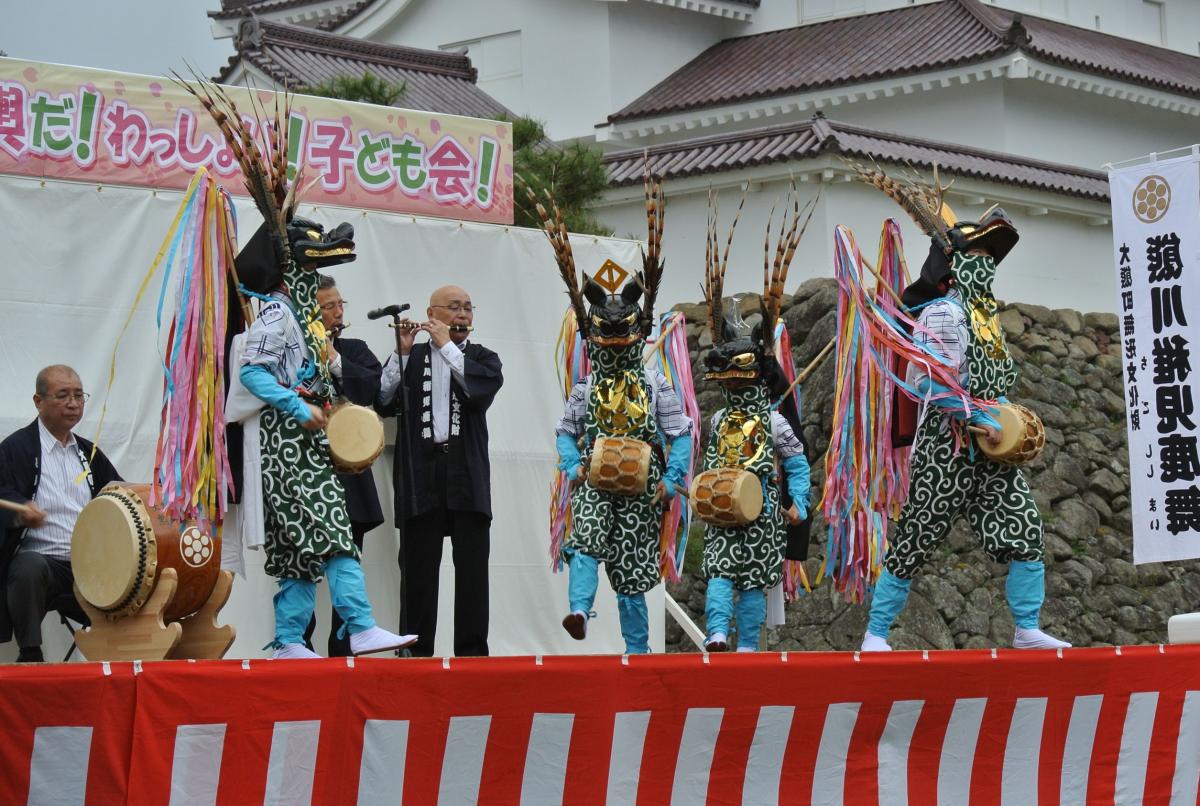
(118, 128)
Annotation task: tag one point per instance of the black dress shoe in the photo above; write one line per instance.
(30, 655)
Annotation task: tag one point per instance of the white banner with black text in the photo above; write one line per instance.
(1156, 251)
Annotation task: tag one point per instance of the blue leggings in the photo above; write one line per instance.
(750, 610)
(297, 599)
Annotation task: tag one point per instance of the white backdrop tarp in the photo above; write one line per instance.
(75, 255)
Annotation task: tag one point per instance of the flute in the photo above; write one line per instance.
(408, 324)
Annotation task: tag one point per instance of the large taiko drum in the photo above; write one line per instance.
(1022, 436)
(727, 496)
(120, 546)
(355, 436)
(620, 465)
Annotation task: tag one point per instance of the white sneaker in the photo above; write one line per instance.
(717, 642)
(873, 643)
(378, 639)
(746, 649)
(291, 651)
(1036, 639)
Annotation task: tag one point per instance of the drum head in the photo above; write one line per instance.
(750, 497)
(355, 435)
(106, 547)
(1012, 431)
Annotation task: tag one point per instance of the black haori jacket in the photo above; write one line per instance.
(468, 473)
(20, 472)
(360, 384)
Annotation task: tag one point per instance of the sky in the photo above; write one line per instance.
(134, 36)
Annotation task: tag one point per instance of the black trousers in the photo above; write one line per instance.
(34, 581)
(337, 647)
(420, 559)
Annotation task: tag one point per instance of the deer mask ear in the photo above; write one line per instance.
(631, 293)
(594, 292)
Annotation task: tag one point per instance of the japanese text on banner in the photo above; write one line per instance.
(1156, 218)
(100, 126)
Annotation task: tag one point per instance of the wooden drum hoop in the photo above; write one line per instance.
(620, 465)
(727, 496)
(1022, 436)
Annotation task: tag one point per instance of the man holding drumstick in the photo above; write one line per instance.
(49, 474)
(947, 478)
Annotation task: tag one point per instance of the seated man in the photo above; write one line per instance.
(54, 474)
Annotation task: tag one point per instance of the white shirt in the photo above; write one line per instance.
(443, 363)
(59, 494)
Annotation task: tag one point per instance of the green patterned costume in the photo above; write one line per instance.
(304, 508)
(620, 531)
(945, 483)
(742, 436)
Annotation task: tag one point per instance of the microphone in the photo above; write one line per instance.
(390, 310)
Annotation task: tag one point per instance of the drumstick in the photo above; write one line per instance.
(825, 350)
(12, 506)
(812, 365)
(887, 287)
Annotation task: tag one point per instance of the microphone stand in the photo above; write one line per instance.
(407, 481)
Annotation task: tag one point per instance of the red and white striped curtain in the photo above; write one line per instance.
(1083, 726)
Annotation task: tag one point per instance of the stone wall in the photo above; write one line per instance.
(1070, 374)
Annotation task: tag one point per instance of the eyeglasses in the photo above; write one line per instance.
(329, 306)
(63, 397)
(457, 308)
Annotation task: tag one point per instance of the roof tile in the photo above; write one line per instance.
(902, 41)
(301, 57)
(798, 141)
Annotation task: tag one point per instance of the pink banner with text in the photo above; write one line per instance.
(119, 128)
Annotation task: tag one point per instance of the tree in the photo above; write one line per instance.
(574, 174)
(369, 89)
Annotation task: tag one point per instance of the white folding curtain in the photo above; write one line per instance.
(75, 255)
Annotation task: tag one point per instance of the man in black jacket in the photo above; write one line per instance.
(442, 389)
(355, 371)
(54, 474)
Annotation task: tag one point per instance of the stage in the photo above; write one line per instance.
(1082, 726)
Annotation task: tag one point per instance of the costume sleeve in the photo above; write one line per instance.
(360, 376)
(483, 376)
(668, 411)
(797, 471)
(262, 384)
(678, 461)
(335, 367)
(266, 340)
(568, 454)
(953, 406)
(787, 441)
(947, 321)
(571, 423)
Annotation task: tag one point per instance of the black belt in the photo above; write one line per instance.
(441, 447)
